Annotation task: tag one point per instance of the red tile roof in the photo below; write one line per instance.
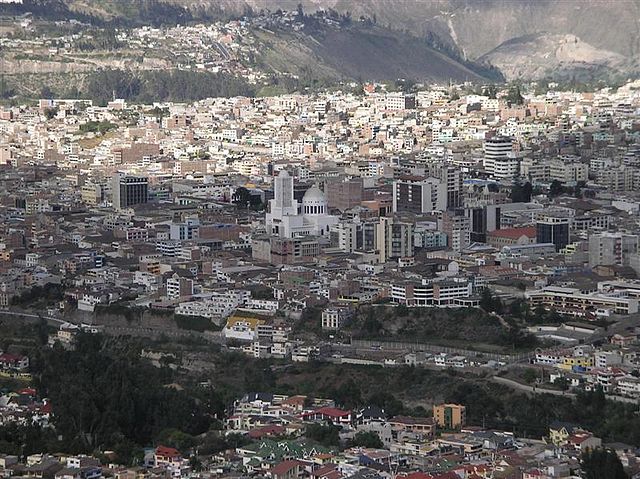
(165, 451)
(330, 411)
(284, 467)
(514, 233)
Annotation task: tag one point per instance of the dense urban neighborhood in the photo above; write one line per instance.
(208, 269)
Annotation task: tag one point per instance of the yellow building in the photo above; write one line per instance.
(569, 362)
(450, 416)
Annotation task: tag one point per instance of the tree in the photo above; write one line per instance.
(368, 439)
(555, 189)
(521, 193)
(529, 375)
(602, 464)
(489, 302)
(327, 435)
(514, 96)
(50, 113)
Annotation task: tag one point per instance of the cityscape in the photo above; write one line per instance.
(299, 241)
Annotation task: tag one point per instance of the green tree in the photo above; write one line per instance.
(327, 435)
(514, 96)
(602, 464)
(50, 113)
(529, 375)
(555, 189)
(521, 193)
(368, 439)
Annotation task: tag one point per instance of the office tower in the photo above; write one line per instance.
(129, 190)
(394, 239)
(457, 226)
(553, 229)
(499, 158)
(482, 220)
(418, 195)
(610, 249)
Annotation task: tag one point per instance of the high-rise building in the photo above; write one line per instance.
(457, 227)
(500, 159)
(608, 249)
(419, 195)
(553, 229)
(482, 220)
(394, 239)
(129, 190)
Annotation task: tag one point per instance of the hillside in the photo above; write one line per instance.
(545, 55)
(477, 27)
(319, 48)
(360, 53)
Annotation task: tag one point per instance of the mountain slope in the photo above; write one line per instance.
(546, 55)
(363, 53)
(477, 27)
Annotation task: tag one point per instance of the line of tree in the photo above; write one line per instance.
(161, 85)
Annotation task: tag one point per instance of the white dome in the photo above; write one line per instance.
(314, 202)
(313, 194)
(283, 174)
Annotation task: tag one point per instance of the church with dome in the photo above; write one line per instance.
(288, 218)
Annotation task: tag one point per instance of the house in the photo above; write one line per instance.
(329, 414)
(582, 441)
(420, 425)
(170, 459)
(559, 432)
(285, 470)
(13, 361)
(265, 431)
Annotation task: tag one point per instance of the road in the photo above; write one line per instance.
(536, 390)
(212, 336)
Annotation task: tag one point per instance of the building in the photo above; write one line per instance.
(499, 158)
(335, 318)
(457, 227)
(394, 239)
(343, 195)
(288, 219)
(572, 301)
(129, 191)
(553, 229)
(512, 236)
(179, 287)
(419, 195)
(450, 416)
(612, 249)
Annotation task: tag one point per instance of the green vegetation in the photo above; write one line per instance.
(514, 96)
(327, 435)
(100, 127)
(105, 396)
(243, 198)
(369, 439)
(602, 464)
(162, 85)
(40, 296)
(195, 323)
(461, 327)
(521, 193)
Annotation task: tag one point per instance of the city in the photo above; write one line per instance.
(208, 269)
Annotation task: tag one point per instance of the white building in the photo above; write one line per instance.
(288, 219)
